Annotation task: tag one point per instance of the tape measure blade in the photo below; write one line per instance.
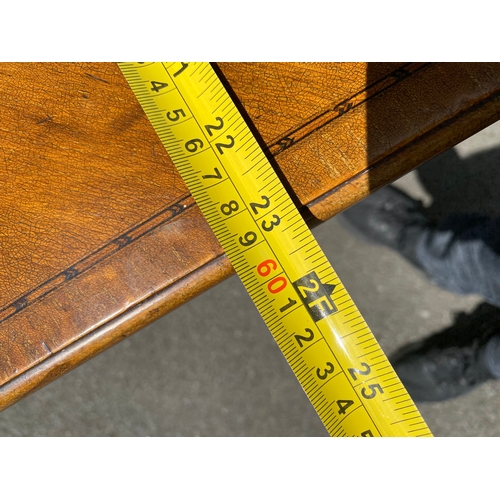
(314, 321)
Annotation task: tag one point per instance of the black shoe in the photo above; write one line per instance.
(388, 217)
(454, 361)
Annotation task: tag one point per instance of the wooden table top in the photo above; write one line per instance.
(99, 235)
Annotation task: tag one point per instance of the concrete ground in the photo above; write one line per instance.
(211, 368)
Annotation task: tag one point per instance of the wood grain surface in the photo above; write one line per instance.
(99, 235)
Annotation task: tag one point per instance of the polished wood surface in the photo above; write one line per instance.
(99, 235)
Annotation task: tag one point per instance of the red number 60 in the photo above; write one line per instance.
(265, 268)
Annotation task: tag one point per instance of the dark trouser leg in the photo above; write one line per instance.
(462, 255)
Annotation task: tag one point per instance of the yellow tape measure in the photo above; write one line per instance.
(328, 345)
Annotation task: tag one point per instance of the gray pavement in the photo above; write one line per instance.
(211, 368)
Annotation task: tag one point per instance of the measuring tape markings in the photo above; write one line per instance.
(323, 336)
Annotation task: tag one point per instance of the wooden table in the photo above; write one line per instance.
(99, 235)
